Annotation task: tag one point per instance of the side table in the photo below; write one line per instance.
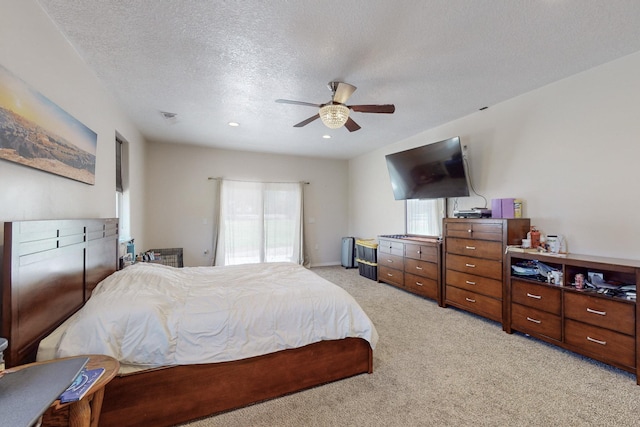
(86, 411)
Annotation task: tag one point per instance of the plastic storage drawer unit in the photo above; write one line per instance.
(366, 250)
(368, 269)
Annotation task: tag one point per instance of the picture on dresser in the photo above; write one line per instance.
(37, 133)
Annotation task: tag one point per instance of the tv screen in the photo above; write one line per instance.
(432, 171)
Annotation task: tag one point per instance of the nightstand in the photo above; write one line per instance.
(85, 412)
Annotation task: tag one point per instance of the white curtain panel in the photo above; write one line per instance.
(260, 222)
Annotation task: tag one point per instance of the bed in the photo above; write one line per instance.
(51, 268)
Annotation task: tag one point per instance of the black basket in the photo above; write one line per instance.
(168, 256)
(367, 269)
(367, 250)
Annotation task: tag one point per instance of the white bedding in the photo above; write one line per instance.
(150, 315)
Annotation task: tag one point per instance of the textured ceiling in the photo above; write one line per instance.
(212, 62)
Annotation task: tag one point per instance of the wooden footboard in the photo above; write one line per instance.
(169, 396)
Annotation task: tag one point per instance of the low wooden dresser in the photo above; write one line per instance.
(412, 263)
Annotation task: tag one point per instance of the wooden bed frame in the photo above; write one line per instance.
(49, 269)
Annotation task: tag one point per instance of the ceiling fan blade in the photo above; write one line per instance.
(306, 122)
(386, 108)
(288, 101)
(351, 125)
(342, 91)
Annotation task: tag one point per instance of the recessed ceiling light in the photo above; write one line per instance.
(326, 136)
(234, 124)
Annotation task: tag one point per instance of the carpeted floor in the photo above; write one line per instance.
(444, 367)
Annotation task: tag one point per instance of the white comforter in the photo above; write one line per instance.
(153, 315)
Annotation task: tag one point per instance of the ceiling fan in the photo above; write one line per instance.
(335, 113)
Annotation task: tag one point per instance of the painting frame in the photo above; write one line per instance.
(37, 133)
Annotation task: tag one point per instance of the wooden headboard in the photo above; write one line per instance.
(49, 269)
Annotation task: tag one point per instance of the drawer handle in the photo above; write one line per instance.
(469, 282)
(534, 320)
(473, 248)
(418, 251)
(601, 313)
(419, 284)
(596, 341)
(470, 230)
(470, 300)
(390, 260)
(533, 296)
(471, 265)
(389, 274)
(418, 268)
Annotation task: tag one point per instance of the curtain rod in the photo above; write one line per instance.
(211, 178)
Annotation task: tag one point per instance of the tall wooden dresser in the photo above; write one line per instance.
(474, 262)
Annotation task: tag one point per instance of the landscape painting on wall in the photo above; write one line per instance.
(36, 132)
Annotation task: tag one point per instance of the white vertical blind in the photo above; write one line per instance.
(259, 222)
(424, 216)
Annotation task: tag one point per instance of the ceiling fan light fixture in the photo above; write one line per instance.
(334, 115)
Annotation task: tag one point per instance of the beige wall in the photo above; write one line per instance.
(569, 149)
(34, 50)
(179, 198)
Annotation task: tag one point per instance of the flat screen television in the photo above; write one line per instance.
(431, 171)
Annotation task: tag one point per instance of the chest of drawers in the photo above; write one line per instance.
(411, 263)
(474, 252)
(584, 321)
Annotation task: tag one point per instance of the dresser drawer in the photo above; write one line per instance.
(606, 313)
(473, 283)
(540, 297)
(480, 304)
(421, 252)
(475, 248)
(421, 268)
(602, 344)
(391, 247)
(475, 230)
(391, 261)
(390, 275)
(533, 321)
(421, 285)
(476, 266)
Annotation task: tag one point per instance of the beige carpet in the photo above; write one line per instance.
(444, 367)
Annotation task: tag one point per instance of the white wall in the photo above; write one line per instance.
(179, 197)
(569, 149)
(33, 49)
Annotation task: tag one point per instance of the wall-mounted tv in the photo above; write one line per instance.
(431, 171)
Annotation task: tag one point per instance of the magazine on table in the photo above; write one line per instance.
(81, 385)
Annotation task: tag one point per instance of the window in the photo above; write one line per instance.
(424, 217)
(260, 222)
(122, 188)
